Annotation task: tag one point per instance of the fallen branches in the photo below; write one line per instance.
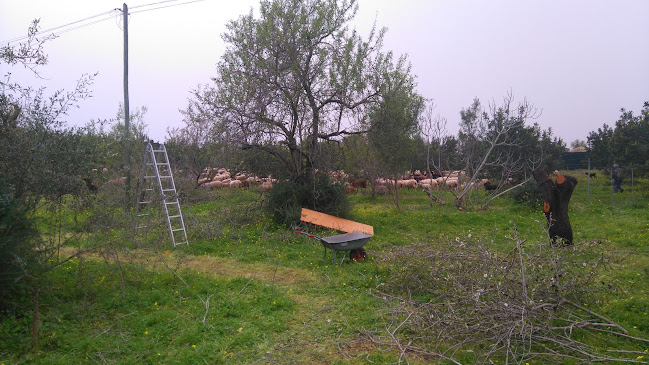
(464, 301)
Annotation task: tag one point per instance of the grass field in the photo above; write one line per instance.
(246, 290)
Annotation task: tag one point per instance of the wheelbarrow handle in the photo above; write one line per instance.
(308, 235)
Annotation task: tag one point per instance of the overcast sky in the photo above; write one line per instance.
(578, 61)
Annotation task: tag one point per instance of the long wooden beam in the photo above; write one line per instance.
(329, 221)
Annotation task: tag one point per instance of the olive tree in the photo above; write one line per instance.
(42, 166)
(294, 77)
(394, 125)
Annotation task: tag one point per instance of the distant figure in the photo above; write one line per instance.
(617, 179)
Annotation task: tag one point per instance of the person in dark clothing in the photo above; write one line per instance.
(617, 179)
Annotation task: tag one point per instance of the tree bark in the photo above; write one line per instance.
(36, 317)
(556, 195)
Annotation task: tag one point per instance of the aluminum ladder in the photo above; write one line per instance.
(156, 175)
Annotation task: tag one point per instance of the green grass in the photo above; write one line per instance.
(275, 299)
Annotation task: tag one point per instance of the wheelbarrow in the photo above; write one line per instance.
(352, 242)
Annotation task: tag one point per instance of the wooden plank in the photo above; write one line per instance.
(329, 221)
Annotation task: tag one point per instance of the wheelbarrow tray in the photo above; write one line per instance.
(345, 242)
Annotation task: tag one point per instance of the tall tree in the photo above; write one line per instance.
(626, 144)
(630, 141)
(395, 124)
(295, 77)
(599, 146)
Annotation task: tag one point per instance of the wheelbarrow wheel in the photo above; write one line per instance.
(357, 255)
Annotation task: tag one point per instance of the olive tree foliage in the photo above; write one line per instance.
(106, 138)
(42, 164)
(294, 77)
(394, 125)
(34, 140)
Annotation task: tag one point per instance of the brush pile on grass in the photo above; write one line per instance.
(466, 300)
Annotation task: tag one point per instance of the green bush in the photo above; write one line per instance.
(528, 194)
(286, 199)
(17, 253)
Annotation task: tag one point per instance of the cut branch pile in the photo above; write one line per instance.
(463, 301)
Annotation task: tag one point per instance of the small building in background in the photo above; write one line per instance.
(576, 158)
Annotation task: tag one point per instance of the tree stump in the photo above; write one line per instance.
(556, 195)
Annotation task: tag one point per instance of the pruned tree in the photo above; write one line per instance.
(193, 147)
(556, 195)
(294, 77)
(433, 128)
(491, 144)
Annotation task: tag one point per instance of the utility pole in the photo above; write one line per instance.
(127, 124)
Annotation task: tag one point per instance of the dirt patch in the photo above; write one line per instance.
(232, 267)
(215, 266)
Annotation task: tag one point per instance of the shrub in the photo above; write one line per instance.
(286, 199)
(529, 194)
(17, 250)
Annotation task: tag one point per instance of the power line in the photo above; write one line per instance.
(18, 39)
(162, 7)
(159, 2)
(84, 25)
(51, 30)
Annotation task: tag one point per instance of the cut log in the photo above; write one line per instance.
(557, 197)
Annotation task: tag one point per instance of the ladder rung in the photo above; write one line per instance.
(162, 167)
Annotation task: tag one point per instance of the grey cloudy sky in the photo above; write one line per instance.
(578, 61)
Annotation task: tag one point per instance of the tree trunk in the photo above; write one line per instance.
(36, 317)
(556, 195)
(396, 193)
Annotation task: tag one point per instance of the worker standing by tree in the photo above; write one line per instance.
(617, 179)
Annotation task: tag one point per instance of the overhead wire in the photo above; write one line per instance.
(151, 4)
(107, 16)
(52, 30)
(84, 25)
(162, 7)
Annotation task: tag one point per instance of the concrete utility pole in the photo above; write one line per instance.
(127, 124)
